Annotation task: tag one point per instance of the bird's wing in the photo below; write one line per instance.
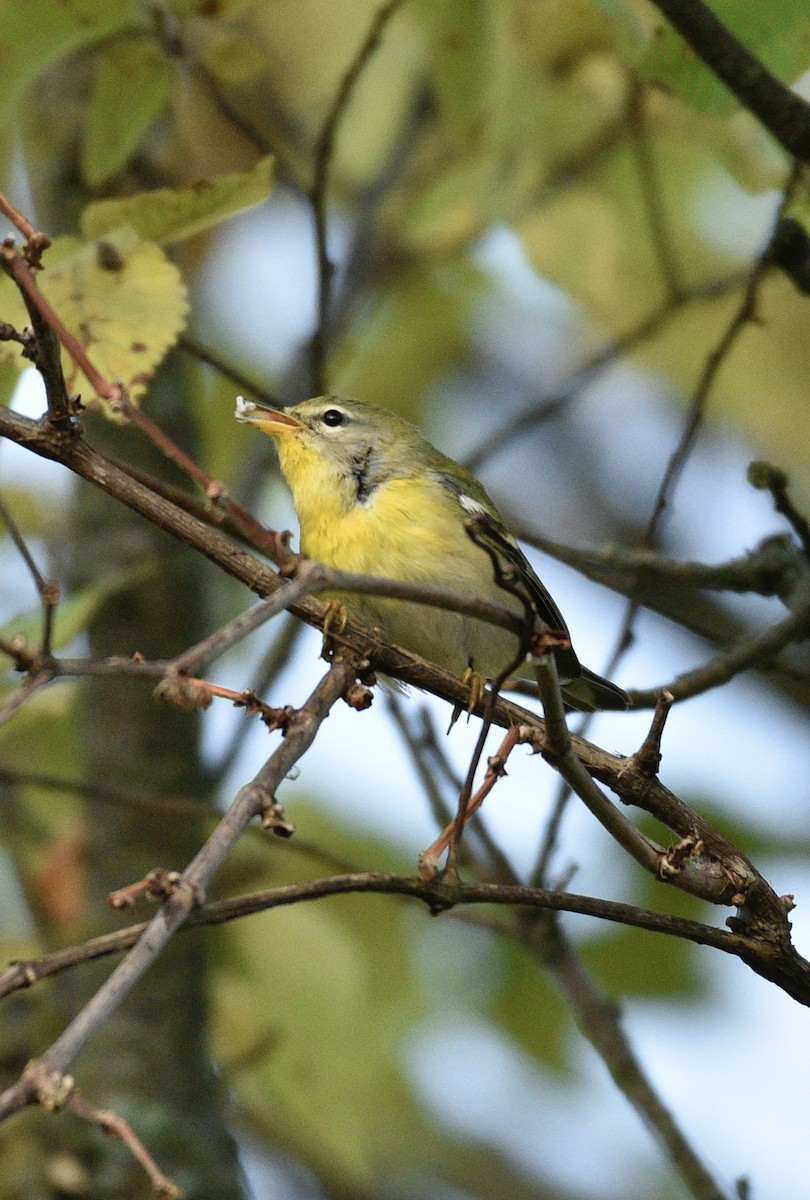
(513, 570)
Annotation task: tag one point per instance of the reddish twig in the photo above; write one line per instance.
(116, 1126)
(37, 241)
(496, 768)
(24, 278)
(255, 799)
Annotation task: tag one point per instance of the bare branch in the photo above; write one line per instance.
(785, 114)
(599, 362)
(254, 799)
(599, 1021)
(757, 650)
(318, 192)
(781, 964)
(110, 1123)
(243, 383)
(764, 475)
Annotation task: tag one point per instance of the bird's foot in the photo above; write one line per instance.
(477, 685)
(333, 623)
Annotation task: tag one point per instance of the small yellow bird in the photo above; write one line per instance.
(373, 497)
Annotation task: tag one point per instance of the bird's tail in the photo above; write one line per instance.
(589, 692)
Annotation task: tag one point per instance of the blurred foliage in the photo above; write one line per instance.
(625, 176)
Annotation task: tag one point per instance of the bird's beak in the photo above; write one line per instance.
(270, 420)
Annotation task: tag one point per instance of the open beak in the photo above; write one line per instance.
(270, 420)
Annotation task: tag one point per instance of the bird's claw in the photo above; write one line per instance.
(334, 622)
(477, 685)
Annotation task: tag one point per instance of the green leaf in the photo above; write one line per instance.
(777, 33)
(633, 963)
(530, 1010)
(42, 727)
(329, 987)
(39, 31)
(72, 616)
(132, 85)
(169, 215)
(408, 336)
(595, 239)
(629, 30)
(120, 296)
(489, 99)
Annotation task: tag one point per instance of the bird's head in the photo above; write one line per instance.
(355, 443)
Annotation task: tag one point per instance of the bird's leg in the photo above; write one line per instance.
(428, 860)
(477, 685)
(335, 620)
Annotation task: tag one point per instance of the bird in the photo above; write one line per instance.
(374, 497)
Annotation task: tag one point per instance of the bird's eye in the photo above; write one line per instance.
(333, 417)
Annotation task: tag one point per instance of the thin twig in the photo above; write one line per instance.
(758, 649)
(780, 963)
(114, 1125)
(243, 383)
(744, 314)
(471, 802)
(428, 756)
(558, 750)
(599, 1021)
(318, 192)
(597, 364)
(25, 227)
(764, 475)
(782, 111)
(255, 798)
(47, 590)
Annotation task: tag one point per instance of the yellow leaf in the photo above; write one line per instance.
(132, 84)
(171, 214)
(121, 297)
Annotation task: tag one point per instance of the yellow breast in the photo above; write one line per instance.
(409, 529)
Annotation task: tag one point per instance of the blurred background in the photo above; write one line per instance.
(543, 217)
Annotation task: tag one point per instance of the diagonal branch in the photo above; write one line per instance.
(722, 874)
(318, 192)
(252, 800)
(785, 114)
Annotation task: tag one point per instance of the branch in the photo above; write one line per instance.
(599, 362)
(47, 589)
(764, 475)
(599, 1021)
(243, 383)
(324, 154)
(789, 970)
(110, 1123)
(756, 650)
(745, 314)
(254, 799)
(718, 877)
(769, 569)
(780, 110)
(558, 749)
